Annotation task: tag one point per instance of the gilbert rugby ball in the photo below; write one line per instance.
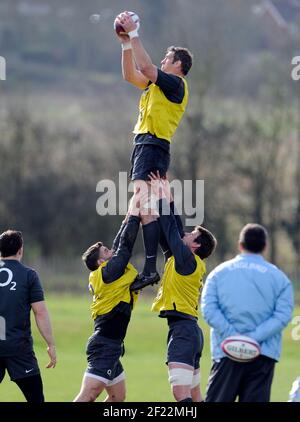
(241, 348)
(119, 28)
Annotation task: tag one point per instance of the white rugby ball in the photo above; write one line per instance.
(241, 348)
(119, 28)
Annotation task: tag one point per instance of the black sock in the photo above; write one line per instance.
(151, 238)
(187, 400)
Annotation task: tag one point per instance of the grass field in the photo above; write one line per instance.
(144, 359)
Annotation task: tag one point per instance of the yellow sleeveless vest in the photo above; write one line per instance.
(107, 296)
(158, 115)
(179, 292)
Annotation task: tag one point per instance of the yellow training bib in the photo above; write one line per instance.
(107, 295)
(180, 292)
(158, 115)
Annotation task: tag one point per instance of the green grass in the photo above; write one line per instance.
(144, 360)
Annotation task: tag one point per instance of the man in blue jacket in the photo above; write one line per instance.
(246, 295)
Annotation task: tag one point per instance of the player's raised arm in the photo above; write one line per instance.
(184, 258)
(117, 264)
(129, 69)
(143, 61)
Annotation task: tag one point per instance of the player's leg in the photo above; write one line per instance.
(115, 388)
(116, 392)
(151, 234)
(91, 388)
(181, 357)
(24, 371)
(103, 356)
(224, 381)
(147, 158)
(151, 231)
(32, 388)
(195, 387)
(158, 160)
(198, 343)
(180, 379)
(185, 344)
(257, 380)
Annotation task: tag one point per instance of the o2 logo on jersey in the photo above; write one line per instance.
(9, 277)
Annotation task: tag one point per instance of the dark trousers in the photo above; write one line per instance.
(250, 382)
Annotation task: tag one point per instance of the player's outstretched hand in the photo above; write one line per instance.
(127, 22)
(52, 354)
(163, 184)
(157, 187)
(122, 38)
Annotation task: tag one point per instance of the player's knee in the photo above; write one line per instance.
(181, 393)
(181, 380)
(180, 377)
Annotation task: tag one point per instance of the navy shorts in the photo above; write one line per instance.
(146, 158)
(103, 356)
(249, 381)
(19, 366)
(185, 343)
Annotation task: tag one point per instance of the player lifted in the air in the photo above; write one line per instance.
(162, 105)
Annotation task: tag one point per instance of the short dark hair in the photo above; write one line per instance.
(11, 241)
(207, 242)
(91, 256)
(184, 55)
(253, 237)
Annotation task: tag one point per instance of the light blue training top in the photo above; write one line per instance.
(247, 295)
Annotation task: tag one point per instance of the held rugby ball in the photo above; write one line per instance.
(241, 348)
(119, 28)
